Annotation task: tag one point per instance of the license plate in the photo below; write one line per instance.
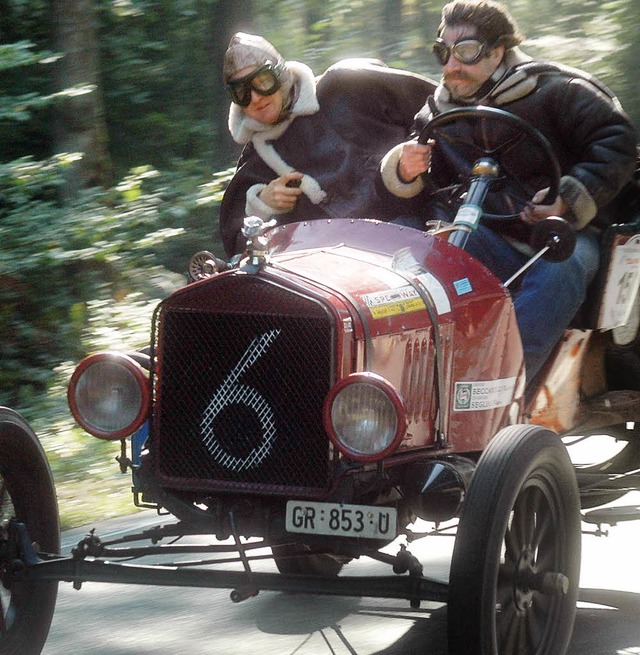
(341, 520)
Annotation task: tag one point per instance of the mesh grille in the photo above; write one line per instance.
(239, 395)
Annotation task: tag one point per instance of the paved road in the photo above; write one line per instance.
(105, 619)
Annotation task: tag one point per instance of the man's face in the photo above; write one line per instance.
(464, 80)
(265, 109)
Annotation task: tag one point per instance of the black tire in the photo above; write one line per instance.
(516, 560)
(292, 560)
(27, 493)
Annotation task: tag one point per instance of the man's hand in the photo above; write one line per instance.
(415, 159)
(278, 195)
(534, 212)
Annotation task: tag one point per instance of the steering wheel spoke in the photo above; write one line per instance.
(513, 135)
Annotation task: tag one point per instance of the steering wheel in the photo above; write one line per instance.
(501, 144)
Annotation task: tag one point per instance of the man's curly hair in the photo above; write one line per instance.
(492, 20)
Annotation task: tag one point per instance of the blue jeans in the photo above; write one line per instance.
(547, 296)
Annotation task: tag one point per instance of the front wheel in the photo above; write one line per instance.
(516, 561)
(27, 493)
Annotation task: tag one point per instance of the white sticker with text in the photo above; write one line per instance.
(483, 394)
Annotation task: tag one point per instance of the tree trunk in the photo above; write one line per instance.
(79, 121)
(391, 29)
(227, 18)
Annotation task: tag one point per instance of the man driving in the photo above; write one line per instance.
(589, 133)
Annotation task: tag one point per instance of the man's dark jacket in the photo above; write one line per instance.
(587, 129)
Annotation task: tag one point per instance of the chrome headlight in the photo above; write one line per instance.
(365, 416)
(109, 395)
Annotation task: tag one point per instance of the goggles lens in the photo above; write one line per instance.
(469, 51)
(265, 81)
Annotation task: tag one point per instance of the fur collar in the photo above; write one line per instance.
(505, 85)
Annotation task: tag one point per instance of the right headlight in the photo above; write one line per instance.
(365, 416)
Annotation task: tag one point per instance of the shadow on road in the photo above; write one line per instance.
(607, 623)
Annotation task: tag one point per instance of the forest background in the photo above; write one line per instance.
(114, 153)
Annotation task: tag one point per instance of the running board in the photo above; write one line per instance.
(612, 515)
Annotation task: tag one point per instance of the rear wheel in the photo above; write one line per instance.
(516, 560)
(27, 493)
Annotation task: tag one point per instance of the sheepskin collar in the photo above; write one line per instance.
(504, 86)
(305, 103)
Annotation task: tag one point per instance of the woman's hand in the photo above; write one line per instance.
(279, 196)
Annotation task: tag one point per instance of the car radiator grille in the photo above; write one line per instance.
(239, 395)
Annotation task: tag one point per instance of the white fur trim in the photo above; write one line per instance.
(255, 206)
(391, 179)
(580, 201)
(245, 129)
(515, 86)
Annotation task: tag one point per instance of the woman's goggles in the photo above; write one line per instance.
(265, 81)
(468, 51)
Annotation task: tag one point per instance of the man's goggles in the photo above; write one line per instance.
(265, 81)
(467, 51)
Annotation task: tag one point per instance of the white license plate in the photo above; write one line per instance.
(341, 520)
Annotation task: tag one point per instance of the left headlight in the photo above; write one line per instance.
(109, 395)
(365, 416)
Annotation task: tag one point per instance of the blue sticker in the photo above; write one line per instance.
(462, 286)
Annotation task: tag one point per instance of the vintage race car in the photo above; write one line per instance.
(317, 397)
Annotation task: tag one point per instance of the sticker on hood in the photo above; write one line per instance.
(393, 302)
(482, 395)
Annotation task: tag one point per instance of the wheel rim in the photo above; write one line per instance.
(27, 494)
(13, 599)
(530, 583)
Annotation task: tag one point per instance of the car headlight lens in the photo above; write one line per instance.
(109, 395)
(365, 416)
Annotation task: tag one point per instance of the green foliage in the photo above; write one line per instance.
(13, 55)
(83, 278)
(55, 260)
(158, 81)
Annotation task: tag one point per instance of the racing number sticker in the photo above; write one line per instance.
(232, 391)
(622, 285)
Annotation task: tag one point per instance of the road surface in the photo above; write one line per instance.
(107, 619)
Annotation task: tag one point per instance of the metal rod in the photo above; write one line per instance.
(519, 272)
(78, 571)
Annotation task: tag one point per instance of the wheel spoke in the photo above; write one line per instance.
(504, 588)
(523, 520)
(512, 545)
(3, 612)
(3, 498)
(535, 628)
(543, 533)
(512, 631)
(508, 145)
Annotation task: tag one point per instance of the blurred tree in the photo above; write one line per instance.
(391, 26)
(79, 122)
(226, 17)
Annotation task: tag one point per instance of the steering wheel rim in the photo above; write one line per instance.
(478, 113)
